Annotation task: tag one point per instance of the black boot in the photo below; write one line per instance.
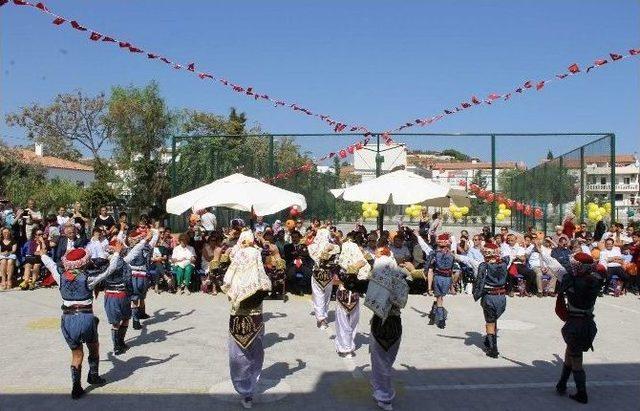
(580, 378)
(121, 334)
(142, 314)
(432, 314)
(561, 386)
(115, 338)
(486, 341)
(77, 391)
(492, 350)
(441, 323)
(135, 312)
(94, 378)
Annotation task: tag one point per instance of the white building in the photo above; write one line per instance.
(81, 174)
(364, 160)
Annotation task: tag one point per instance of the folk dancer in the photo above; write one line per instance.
(441, 262)
(78, 323)
(581, 288)
(351, 261)
(246, 284)
(117, 295)
(386, 293)
(323, 253)
(274, 266)
(490, 289)
(140, 264)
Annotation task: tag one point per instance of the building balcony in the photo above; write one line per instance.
(632, 187)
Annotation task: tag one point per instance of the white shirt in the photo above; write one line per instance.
(183, 255)
(209, 221)
(511, 251)
(97, 248)
(62, 220)
(606, 254)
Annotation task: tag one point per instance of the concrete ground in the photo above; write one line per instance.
(179, 360)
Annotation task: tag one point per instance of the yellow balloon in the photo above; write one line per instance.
(607, 206)
(453, 208)
(407, 211)
(502, 206)
(506, 212)
(366, 214)
(415, 213)
(592, 206)
(602, 210)
(500, 217)
(375, 214)
(593, 216)
(465, 210)
(457, 215)
(365, 206)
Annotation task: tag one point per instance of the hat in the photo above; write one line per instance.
(444, 240)
(583, 258)
(74, 259)
(491, 252)
(583, 263)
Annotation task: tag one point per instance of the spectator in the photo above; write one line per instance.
(515, 257)
(635, 259)
(582, 231)
(183, 260)
(424, 225)
(8, 250)
(160, 260)
(259, 226)
(32, 217)
(104, 221)
(504, 232)
(209, 221)
(486, 233)
(475, 251)
(62, 218)
(97, 246)
(32, 250)
(67, 243)
(434, 229)
(562, 253)
(557, 234)
(79, 220)
(568, 226)
(123, 221)
(611, 257)
(299, 263)
(52, 231)
(601, 227)
(538, 258)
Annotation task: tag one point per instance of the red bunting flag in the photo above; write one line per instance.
(42, 7)
(124, 44)
(95, 36)
(494, 96)
(465, 105)
(20, 2)
(204, 75)
(135, 49)
(77, 26)
(475, 100)
(540, 85)
(634, 52)
(527, 84)
(191, 67)
(107, 38)
(350, 149)
(574, 68)
(600, 62)
(58, 21)
(615, 56)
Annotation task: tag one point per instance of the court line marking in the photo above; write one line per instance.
(457, 387)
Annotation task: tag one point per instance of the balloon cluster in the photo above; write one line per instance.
(503, 212)
(413, 210)
(595, 213)
(458, 212)
(370, 210)
(294, 211)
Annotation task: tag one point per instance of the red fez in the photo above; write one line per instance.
(75, 259)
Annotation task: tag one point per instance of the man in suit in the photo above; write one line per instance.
(68, 242)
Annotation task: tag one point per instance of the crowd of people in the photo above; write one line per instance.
(251, 261)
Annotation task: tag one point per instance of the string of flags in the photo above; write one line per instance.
(249, 91)
(337, 126)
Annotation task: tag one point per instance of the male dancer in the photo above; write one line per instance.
(581, 288)
(139, 274)
(117, 296)
(246, 284)
(323, 252)
(78, 324)
(490, 289)
(386, 292)
(441, 262)
(352, 261)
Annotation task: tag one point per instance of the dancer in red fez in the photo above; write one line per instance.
(441, 261)
(78, 323)
(490, 289)
(581, 288)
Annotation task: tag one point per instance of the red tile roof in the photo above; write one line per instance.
(30, 157)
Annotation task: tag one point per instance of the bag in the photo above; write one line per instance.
(561, 308)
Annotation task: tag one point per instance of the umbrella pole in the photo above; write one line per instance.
(380, 219)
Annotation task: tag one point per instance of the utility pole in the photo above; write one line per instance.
(379, 161)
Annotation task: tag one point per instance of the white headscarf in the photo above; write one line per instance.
(245, 275)
(319, 244)
(351, 254)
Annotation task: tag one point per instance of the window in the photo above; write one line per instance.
(603, 180)
(618, 197)
(627, 180)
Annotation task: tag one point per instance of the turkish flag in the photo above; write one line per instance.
(95, 36)
(77, 26)
(134, 49)
(41, 6)
(359, 145)
(350, 149)
(540, 85)
(475, 100)
(574, 68)
(615, 56)
(204, 75)
(527, 84)
(107, 38)
(600, 62)
(465, 105)
(20, 2)
(191, 67)
(58, 21)
(494, 96)
(124, 44)
(634, 52)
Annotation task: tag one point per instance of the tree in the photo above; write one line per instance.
(505, 179)
(457, 155)
(70, 122)
(549, 155)
(141, 124)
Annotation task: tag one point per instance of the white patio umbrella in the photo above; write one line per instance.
(398, 187)
(455, 196)
(238, 192)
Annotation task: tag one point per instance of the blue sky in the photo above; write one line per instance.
(370, 62)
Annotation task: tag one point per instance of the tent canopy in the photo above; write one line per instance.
(238, 192)
(455, 196)
(398, 187)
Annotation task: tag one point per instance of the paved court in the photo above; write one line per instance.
(179, 360)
